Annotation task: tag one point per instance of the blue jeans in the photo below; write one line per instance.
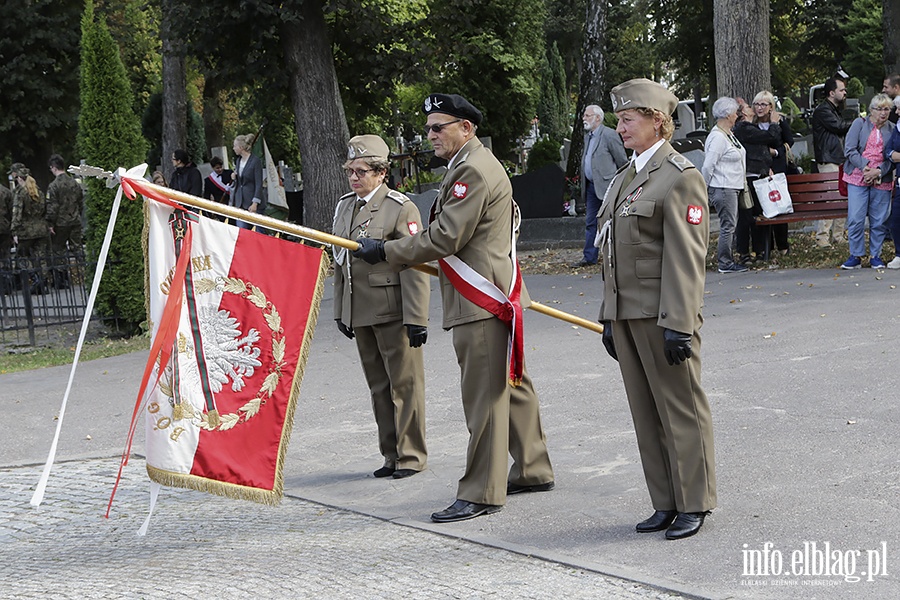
(592, 203)
(862, 202)
(725, 201)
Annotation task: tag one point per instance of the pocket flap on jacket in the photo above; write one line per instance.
(648, 268)
(642, 208)
(383, 278)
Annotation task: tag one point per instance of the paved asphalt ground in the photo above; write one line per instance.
(800, 371)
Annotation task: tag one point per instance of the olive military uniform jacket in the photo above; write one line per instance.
(472, 218)
(653, 249)
(365, 294)
(28, 217)
(65, 201)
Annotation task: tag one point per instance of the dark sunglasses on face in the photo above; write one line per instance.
(437, 128)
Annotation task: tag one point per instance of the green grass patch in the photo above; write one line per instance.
(26, 359)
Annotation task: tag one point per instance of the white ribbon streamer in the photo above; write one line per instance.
(137, 171)
(154, 494)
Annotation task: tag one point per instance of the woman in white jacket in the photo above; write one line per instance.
(724, 172)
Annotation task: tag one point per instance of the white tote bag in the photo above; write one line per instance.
(772, 193)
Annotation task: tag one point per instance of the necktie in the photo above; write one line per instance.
(629, 175)
(358, 207)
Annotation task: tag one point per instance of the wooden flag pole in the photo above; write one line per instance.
(323, 238)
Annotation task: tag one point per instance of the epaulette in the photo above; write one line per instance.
(680, 162)
(397, 197)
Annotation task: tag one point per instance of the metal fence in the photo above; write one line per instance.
(39, 295)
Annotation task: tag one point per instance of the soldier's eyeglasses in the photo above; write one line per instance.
(437, 128)
(360, 173)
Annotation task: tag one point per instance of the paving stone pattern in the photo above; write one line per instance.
(204, 546)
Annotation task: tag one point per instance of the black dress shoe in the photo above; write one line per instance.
(658, 521)
(512, 488)
(582, 264)
(384, 472)
(403, 473)
(462, 510)
(685, 525)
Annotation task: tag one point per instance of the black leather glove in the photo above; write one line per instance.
(608, 342)
(418, 335)
(677, 346)
(371, 251)
(348, 331)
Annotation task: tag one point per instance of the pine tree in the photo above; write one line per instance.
(109, 136)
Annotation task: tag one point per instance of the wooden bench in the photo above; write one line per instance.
(815, 196)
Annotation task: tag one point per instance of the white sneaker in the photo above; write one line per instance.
(895, 263)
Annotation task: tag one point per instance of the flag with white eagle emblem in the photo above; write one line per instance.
(232, 313)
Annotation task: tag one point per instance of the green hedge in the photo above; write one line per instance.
(109, 137)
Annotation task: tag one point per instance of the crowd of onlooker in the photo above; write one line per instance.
(753, 141)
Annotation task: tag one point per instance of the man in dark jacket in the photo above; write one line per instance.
(829, 128)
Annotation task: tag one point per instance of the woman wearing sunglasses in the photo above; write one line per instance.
(384, 310)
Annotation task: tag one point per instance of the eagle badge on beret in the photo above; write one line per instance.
(694, 214)
(351, 152)
(460, 189)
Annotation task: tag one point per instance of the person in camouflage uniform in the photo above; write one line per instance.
(5, 217)
(29, 224)
(65, 203)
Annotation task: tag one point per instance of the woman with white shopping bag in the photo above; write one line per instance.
(868, 176)
(766, 117)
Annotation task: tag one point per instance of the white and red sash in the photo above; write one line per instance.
(507, 307)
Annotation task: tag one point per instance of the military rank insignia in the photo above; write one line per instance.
(694, 214)
(460, 189)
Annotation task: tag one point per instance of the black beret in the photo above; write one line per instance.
(454, 105)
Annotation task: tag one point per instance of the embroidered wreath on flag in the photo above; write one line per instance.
(257, 297)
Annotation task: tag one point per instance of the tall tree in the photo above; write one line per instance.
(592, 82)
(891, 25)
(742, 47)
(174, 88)
(318, 111)
(39, 80)
(553, 104)
(109, 136)
(865, 53)
(489, 51)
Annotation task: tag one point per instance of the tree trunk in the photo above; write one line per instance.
(891, 23)
(742, 47)
(322, 131)
(174, 93)
(593, 69)
(213, 113)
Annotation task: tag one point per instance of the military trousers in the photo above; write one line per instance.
(671, 418)
(395, 374)
(501, 419)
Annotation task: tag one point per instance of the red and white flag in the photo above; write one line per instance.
(236, 333)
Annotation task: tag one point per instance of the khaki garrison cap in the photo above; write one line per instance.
(643, 93)
(367, 146)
